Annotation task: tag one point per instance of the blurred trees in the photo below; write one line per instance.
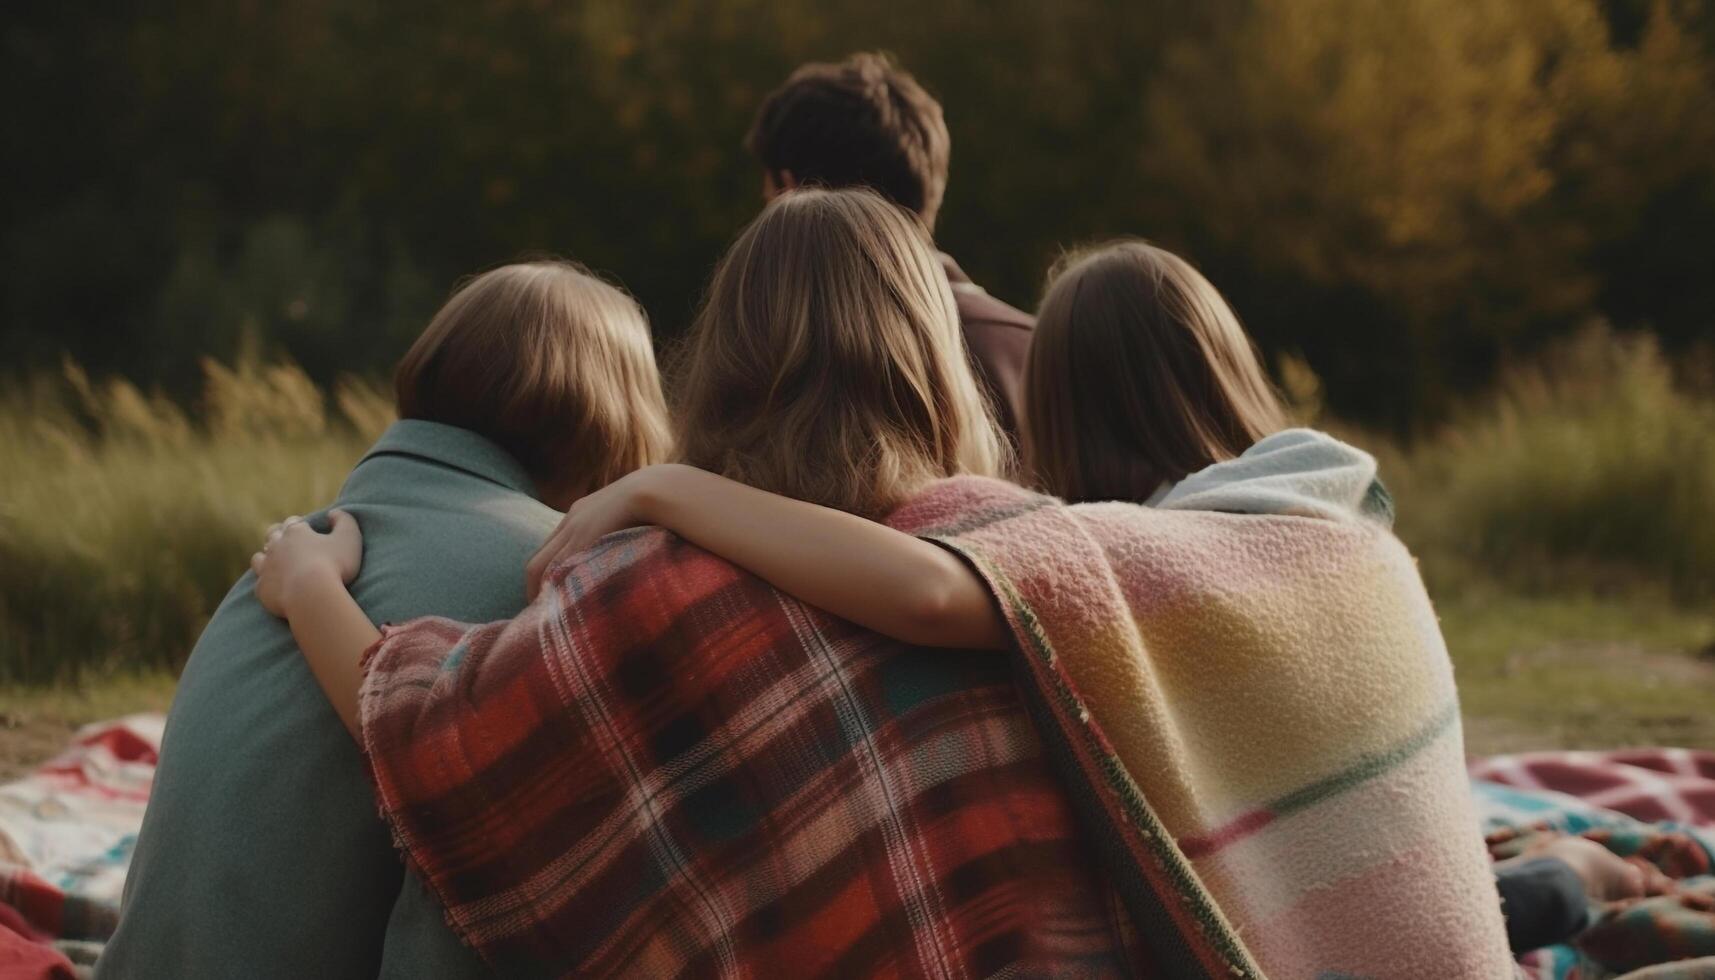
(1407, 189)
(1401, 191)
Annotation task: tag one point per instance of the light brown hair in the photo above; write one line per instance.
(861, 122)
(550, 363)
(1139, 374)
(827, 363)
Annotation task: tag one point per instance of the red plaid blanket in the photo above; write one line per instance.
(1646, 784)
(666, 768)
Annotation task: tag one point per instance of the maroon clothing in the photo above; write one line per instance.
(999, 339)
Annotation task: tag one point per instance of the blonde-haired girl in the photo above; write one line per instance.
(1246, 669)
(665, 768)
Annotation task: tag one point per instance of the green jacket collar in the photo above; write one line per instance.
(451, 446)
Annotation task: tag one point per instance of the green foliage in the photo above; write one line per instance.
(1593, 468)
(1406, 192)
(122, 522)
(1421, 186)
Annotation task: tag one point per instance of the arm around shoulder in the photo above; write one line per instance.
(875, 576)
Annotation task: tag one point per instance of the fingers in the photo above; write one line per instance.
(342, 524)
(536, 569)
(532, 577)
(276, 531)
(256, 561)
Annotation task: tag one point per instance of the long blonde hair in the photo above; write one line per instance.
(1139, 375)
(550, 363)
(827, 362)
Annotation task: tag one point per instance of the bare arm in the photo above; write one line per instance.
(301, 576)
(871, 574)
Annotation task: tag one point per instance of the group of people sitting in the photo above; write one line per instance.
(918, 637)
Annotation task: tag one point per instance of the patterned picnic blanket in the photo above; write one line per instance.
(1647, 805)
(66, 834)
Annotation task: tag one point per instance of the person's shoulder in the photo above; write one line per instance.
(984, 312)
(425, 504)
(481, 482)
(647, 578)
(238, 636)
(963, 503)
(981, 312)
(638, 557)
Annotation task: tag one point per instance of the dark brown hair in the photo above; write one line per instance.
(863, 122)
(827, 363)
(550, 363)
(1139, 375)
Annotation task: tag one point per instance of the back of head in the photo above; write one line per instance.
(550, 363)
(827, 363)
(862, 122)
(1139, 374)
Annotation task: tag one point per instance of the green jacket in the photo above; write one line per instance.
(261, 853)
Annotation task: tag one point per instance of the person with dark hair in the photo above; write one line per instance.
(866, 122)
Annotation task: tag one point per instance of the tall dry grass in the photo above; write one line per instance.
(123, 520)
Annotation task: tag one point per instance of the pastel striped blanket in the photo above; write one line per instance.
(1258, 717)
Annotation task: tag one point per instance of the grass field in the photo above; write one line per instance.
(1581, 672)
(1562, 523)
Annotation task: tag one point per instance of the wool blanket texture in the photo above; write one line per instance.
(1248, 690)
(664, 767)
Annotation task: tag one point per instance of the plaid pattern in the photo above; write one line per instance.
(1646, 784)
(666, 768)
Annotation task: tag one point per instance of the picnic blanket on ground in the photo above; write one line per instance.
(1617, 799)
(1246, 698)
(664, 767)
(1650, 784)
(66, 833)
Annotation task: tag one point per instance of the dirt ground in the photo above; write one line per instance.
(36, 723)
